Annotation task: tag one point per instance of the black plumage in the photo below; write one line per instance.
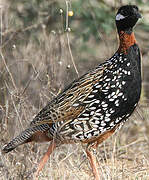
(92, 107)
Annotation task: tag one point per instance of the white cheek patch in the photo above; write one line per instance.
(119, 17)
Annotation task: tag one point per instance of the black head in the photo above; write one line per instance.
(126, 17)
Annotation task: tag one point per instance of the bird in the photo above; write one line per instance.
(97, 104)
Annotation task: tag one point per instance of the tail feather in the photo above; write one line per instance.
(24, 137)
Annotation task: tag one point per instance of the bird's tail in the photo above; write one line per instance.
(26, 136)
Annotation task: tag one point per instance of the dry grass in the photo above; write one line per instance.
(32, 75)
(123, 156)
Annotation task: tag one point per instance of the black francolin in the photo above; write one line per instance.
(94, 106)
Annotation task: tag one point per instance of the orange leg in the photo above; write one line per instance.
(93, 162)
(92, 146)
(43, 161)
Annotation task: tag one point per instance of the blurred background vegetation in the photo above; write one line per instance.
(43, 27)
(43, 50)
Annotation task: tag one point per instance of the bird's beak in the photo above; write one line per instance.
(138, 15)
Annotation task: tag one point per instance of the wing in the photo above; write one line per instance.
(69, 104)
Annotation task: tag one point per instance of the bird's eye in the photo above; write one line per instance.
(123, 12)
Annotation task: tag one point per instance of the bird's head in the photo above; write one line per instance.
(126, 17)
